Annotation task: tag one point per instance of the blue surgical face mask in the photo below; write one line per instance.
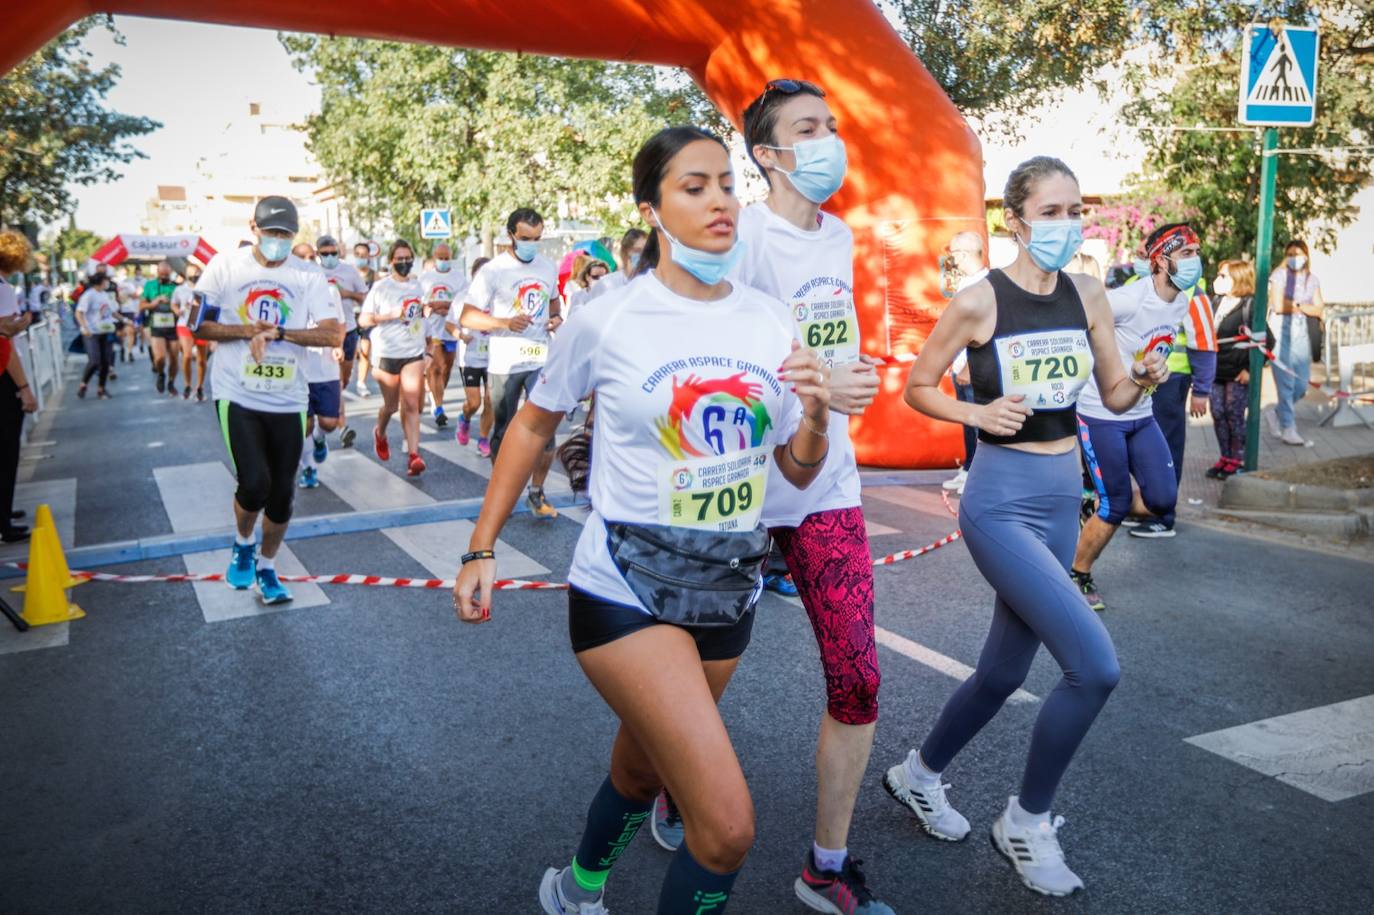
(707, 266)
(1187, 271)
(1053, 242)
(329, 261)
(526, 250)
(820, 169)
(360, 263)
(443, 266)
(274, 249)
(1297, 262)
(634, 260)
(1141, 267)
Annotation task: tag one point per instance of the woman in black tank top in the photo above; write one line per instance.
(1034, 335)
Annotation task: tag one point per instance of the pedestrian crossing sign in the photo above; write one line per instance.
(436, 224)
(1278, 76)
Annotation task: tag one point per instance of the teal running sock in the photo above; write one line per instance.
(690, 889)
(612, 821)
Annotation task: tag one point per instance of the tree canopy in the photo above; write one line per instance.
(55, 129)
(405, 126)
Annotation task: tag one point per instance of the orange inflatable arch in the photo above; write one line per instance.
(915, 173)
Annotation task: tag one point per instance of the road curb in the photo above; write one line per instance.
(1247, 492)
(1344, 526)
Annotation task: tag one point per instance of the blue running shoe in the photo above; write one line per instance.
(440, 417)
(243, 566)
(780, 584)
(270, 588)
(321, 450)
(310, 478)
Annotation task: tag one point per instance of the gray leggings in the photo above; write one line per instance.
(1019, 516)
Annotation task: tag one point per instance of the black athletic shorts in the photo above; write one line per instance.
(350, 345)
(474, 377)
(392, 365)
(594, 621)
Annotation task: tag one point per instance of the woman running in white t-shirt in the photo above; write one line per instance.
(701, 385)
(395, 308)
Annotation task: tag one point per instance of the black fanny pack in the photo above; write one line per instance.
(687, 576)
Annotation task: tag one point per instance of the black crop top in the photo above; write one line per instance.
(1039, 349)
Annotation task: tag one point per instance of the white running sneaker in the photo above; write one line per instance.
(552, 901)
(956, 482)
(1291, 436)
(928, 803)
(1035, 853)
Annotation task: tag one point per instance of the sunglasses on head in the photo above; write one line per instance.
(793, 86)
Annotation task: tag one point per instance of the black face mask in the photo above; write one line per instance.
(402, 268)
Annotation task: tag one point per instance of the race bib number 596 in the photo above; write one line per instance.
(714, 493)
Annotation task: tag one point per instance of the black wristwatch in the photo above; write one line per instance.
(281, 332)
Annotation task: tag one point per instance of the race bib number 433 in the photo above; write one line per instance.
(274, 373)
(714, 493)
(1047, 367)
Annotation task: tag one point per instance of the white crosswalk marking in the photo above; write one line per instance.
(468, 459)
(198, 497)
(60, 497)
(1326, 751)
(366, 485)
(936, 661)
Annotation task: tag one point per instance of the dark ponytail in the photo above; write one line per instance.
(651, 164)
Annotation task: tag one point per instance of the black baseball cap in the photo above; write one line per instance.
(276, 213)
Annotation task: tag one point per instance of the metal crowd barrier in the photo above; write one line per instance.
(41, 352)
(1348, 344)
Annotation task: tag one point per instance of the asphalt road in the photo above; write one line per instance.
(370, 754)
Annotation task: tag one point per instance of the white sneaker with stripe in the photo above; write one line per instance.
(1035, 853)
(928, 802)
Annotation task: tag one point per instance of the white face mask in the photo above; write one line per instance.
(1224, 285)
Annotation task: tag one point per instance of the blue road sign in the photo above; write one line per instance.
(1278, 76)
(436, 224)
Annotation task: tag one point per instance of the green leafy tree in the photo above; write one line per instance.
(55, 130)
(1000, 58)
(78, 244)
(404, 126)
(1216, 174)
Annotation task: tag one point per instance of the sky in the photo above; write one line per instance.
(229, 66)
(193, 78)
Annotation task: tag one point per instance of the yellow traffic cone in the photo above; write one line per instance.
(45, 590)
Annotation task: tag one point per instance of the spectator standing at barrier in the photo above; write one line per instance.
(1295, 295)
(1235, 284)
(966, 250)
(513, 298)
(16, 397)
(259, 304)
(95, 315)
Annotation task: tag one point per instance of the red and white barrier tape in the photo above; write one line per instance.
(378, 581)
(428, 584)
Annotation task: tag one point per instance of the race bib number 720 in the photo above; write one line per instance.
(1047, 367)
(714, 493)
